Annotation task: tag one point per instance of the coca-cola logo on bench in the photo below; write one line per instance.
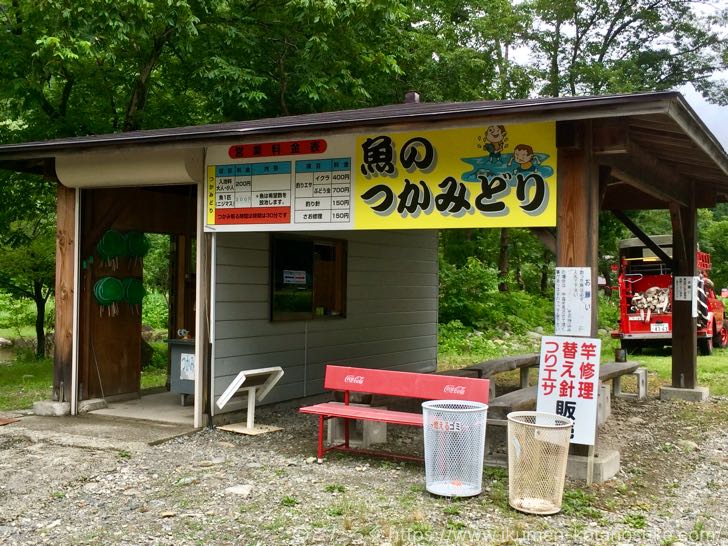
(358, 379)
(454, 389)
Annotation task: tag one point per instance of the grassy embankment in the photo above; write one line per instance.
(25, 379)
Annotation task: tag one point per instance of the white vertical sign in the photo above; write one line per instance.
(573, 301)
(686, 289)
(568, 383)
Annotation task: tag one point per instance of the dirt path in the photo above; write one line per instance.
(214, 487)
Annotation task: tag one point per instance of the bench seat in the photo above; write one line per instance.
(610, 370)
(336, 409)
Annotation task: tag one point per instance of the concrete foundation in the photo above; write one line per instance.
(606, 466)
(49, 408)
(698, 394)
(641, 376)
(362, 434)
(84, 406)
(604, 404)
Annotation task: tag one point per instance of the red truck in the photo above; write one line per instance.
(645, 299)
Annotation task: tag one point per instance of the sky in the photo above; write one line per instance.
(714, 116)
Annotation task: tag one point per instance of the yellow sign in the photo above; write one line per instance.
(490, 176)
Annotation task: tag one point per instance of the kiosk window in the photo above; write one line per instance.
(308, 278)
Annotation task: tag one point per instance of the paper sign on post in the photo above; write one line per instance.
(573, 301)
(568, 383)
(686, 289)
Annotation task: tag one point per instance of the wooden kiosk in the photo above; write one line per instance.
(405, 171)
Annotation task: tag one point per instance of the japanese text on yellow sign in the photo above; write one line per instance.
(491, 176)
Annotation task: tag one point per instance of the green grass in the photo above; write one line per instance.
(25, 381)
(461, 346)
(27, 332)
(153, 378)
(155, 374)
(712, 370)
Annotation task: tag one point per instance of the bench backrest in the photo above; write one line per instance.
(406, 384)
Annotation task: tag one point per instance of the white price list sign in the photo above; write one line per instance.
(573, 301)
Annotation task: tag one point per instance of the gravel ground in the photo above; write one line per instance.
(215, 487)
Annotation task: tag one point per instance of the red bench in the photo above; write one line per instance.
(388, 383)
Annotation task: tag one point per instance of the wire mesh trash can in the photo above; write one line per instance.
(538, 449)
(454, 433)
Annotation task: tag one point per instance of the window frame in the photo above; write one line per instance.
(341, 261)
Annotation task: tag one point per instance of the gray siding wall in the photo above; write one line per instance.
(391, 322)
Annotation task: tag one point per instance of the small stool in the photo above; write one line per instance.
(641, 375)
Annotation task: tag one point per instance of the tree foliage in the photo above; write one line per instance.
(606, 46)
(73, 68)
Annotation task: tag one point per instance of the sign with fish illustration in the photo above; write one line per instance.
(487, 176)
(492, 176)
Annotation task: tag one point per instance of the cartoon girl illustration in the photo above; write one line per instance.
(523, 155)
(497, 138)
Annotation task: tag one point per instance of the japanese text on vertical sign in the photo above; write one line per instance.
(568, 383)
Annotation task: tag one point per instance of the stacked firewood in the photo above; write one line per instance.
(652, 300)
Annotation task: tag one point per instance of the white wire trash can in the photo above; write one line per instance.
(454, 432)
(538, 450)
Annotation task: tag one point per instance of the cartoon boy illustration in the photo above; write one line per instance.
(523, 155)
(497, 139)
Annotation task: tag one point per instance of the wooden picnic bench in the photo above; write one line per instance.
(525, 399)
(387, 383)
(489, 368)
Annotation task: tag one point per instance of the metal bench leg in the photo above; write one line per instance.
(321, 439)
(346, 433)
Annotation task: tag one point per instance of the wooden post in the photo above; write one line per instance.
(684, 325)
(577, 234)
(577, 227)
(64, 289)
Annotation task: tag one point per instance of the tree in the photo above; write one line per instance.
(606, 46)
(73, 68)
(460, 51)
(27, 245)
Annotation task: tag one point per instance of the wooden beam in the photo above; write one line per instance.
(622, 196)
(547, 237)
(569, 135)
(643, 171)
(679, 250)
(626, 172)
(642, 236)
(64, 290)
(610, 136)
